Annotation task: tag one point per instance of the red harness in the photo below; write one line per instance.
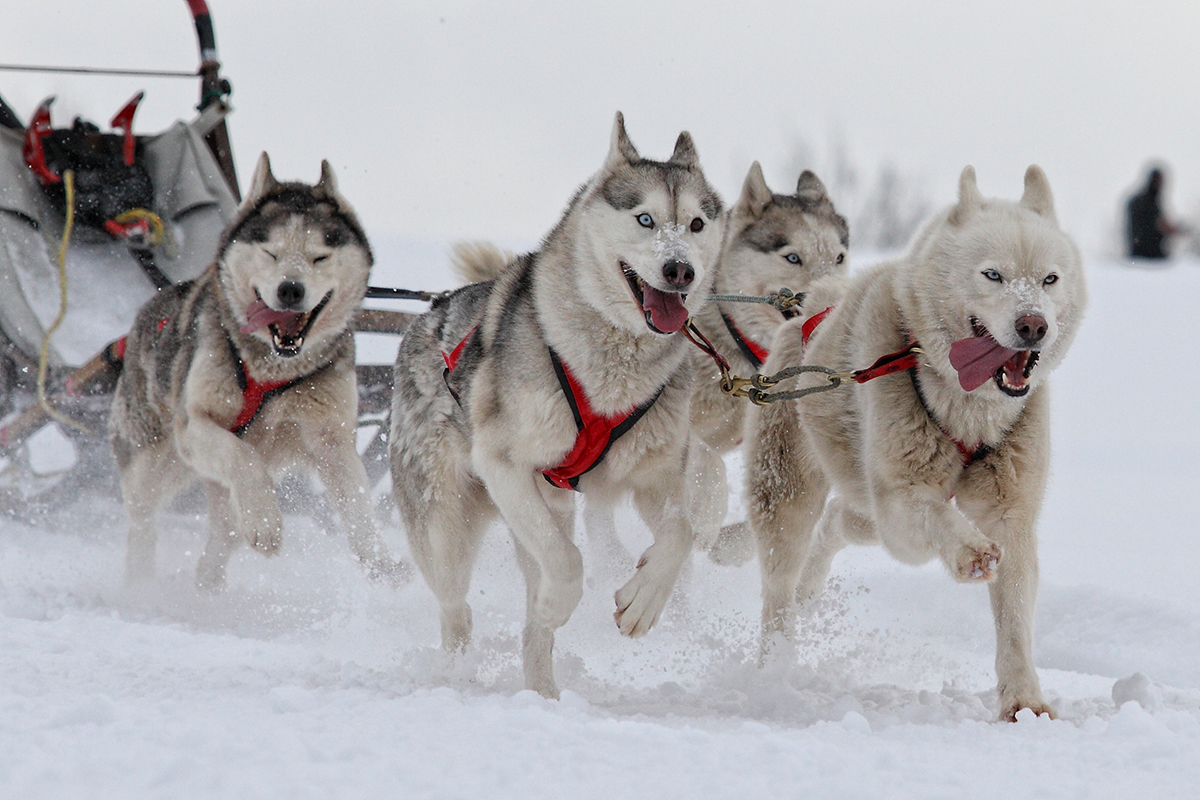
(596, 433)
(255, 394)
(905, 359)
(754, 352)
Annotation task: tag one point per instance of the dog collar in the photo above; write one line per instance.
(754, 352)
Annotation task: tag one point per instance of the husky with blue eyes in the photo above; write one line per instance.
(566, 372)
(944, 456)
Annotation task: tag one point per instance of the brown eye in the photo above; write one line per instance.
(697, 225)
(841, 257)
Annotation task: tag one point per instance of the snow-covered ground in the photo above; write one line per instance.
(305, 680)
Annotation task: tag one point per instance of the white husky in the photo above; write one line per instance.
(946, 459)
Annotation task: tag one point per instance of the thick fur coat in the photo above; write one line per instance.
(940, 461)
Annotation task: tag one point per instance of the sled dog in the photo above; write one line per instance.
(248, 371)
(946, 459)
(772, 241)
(567, 371)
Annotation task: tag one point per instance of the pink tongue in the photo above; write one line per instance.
(259, 315)
(666, 310)
(977, 360)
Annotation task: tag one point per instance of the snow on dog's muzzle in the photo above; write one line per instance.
(288, 328)
(980, 357)
(664, 311)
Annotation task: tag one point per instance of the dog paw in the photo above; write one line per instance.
(1009, 708)
(264, 531)
(554, 601)
(976, 563)
(640, 602)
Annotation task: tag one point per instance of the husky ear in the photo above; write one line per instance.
(620, 149)
(969, 198)
(1037, 197)
(328, 183)
(263, 182)
(685, 152)
(756, 195)
(810, 185)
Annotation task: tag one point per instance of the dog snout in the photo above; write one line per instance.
(290, 293)
(679, 274)
(1031, 328)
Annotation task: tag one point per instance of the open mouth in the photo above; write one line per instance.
(664, 311)
(287, 328)
(980, 357)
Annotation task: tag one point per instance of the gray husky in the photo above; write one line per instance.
(772, 241)
(248, 371)
(568, 371)
(946, 456)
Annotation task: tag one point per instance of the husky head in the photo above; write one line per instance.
(651, 232)
(294, 264)
(996, 290)
(777, 240)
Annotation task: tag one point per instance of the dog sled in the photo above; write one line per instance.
(92, 224)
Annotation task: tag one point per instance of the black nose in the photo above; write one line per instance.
(679, 274)
(1031, 328)
(290, 293)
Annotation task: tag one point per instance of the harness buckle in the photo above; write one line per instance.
(736, 386)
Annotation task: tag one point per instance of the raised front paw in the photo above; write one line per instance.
(977, 562)
(263, 529)
(640, 602)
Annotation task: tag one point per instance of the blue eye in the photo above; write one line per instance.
(992, 275)
(645, 220)
(792, 258)
(1051, 278)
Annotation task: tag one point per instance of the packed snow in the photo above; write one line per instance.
(304, 679)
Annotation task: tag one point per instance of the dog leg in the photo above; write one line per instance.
(526, 508)
(921, 523)
(785, 493)
(146, 473)
(640, 601)
(838, 526)
(222, 539)
(603, 542)
(341, 470)
(1004, 498)
(537, 640)
(219, 456)
(708, 493)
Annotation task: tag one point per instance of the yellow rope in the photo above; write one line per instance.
(44, 355)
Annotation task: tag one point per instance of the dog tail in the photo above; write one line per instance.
(479, 261)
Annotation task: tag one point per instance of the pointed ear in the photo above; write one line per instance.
(969, 199)
(756, 195)
(685, 152)
(620, 149)
(1037, 197)
(262, 183)
(810, 185)
(328, 183)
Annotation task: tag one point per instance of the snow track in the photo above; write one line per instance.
(305, 680)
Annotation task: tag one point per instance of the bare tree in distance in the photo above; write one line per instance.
(884, 212)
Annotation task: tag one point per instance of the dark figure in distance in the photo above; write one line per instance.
(1148, 228)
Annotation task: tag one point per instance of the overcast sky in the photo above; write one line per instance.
(450, 120)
